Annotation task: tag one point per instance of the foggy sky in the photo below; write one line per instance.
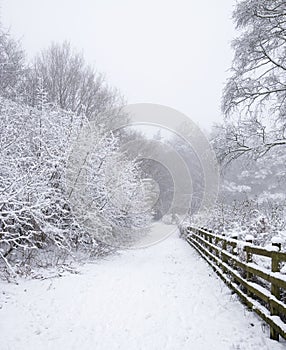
(174, 53)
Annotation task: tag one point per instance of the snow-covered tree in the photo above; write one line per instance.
(38, 211)
(65, 183)
(12, 66)
(254, 97)
(73, 85)
(106, 190)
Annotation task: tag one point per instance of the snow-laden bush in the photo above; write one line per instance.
(171, 219)
(39, 209)
(106, 192)
(167, 219)
(248, 217)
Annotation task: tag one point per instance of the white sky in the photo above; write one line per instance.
(174, 53)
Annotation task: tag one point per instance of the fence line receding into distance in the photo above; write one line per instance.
(240, 265)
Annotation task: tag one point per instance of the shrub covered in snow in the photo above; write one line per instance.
(244, 218)
(39, 209)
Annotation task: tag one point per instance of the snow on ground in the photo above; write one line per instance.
(161, 297)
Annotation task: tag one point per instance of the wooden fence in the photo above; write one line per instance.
(260, 288)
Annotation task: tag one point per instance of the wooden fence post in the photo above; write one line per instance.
(205, 237)
(223, 257)
(211, 241)
(275, 290)
(249, 239)
(234, 236)
(216, 244)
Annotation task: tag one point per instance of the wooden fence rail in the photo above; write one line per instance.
(260, 288)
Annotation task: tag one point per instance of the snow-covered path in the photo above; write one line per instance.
(161, 297)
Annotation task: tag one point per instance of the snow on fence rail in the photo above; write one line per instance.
(262, 289)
